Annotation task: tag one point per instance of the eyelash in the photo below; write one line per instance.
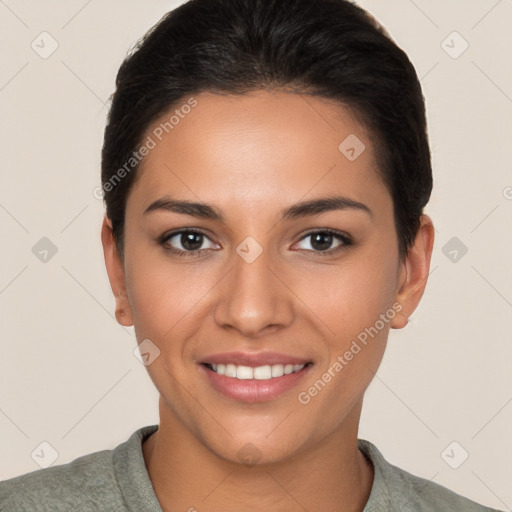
(347, 241)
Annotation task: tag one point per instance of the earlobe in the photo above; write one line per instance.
(400, 321)
(414, 273)
(115, 271)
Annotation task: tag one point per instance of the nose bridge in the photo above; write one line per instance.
(252, 298)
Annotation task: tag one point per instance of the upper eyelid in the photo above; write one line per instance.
(334, 232)
(166, 236)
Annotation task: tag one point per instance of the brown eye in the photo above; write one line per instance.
(191, 241)
(322, 241)
(188, 242)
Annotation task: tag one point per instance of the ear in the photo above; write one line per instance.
(115, 271)
(414, 272)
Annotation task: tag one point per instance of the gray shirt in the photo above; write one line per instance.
(117, 480)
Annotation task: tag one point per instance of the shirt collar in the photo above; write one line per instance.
(132, 475)
(386, 493)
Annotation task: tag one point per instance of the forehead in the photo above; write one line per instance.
(258, 148)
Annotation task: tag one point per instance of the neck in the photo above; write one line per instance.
(333, 475)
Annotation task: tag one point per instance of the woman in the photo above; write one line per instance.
(265, 168)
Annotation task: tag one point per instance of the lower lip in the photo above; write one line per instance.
(253, 390)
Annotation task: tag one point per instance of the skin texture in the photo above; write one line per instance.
(252, 156)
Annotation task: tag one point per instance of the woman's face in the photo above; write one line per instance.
(262, 284)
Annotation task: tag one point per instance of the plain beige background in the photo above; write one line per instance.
(68, 375)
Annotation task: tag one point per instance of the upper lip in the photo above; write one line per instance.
(253, 359)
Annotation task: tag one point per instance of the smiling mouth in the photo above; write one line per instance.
(265, 372)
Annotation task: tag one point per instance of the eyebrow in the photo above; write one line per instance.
(302, 209)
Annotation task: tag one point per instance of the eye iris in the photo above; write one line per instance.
(191, 241)
(321, 241)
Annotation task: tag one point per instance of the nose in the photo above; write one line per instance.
(253, 298)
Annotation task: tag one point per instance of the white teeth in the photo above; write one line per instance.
(244, 372)
(259, 373)
(262, 372)
(277, 370)
(230, 370)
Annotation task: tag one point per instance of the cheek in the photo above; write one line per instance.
(356, 303)
(351, 296)
(164, 296)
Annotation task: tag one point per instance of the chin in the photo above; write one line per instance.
(254, 449)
